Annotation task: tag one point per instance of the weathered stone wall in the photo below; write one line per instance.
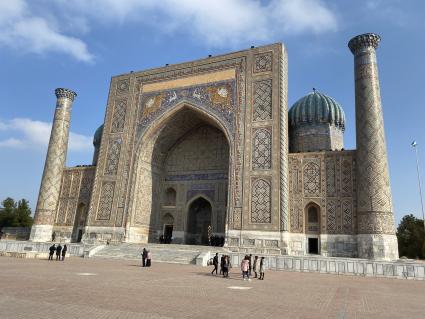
(316, 138)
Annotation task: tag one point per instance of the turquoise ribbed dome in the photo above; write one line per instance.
(316, 108)
(98, 136)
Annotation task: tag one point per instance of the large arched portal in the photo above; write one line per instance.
(185, 157)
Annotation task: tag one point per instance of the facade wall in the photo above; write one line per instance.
(74, 200)
(326, 179)
(243, 93)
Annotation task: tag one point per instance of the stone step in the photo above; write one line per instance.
(170, 253)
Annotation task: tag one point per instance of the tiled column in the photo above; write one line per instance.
(375, 219)
(48, 196)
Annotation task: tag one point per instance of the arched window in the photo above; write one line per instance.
(312, 224)
(313, 215)
(170, 197)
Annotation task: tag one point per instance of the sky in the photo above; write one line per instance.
(80, 44)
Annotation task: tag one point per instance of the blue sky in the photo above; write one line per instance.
(80, 44)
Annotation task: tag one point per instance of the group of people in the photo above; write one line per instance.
(146, 258)
(258, 266)
(60, 252)
(225, 265)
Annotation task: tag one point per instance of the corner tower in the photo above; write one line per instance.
(376, 231)
(48, 196)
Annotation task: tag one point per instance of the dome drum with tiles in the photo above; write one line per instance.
(316, 123)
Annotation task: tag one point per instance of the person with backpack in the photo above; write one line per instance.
(215, 264)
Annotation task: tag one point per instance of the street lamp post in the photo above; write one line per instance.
(415, 146)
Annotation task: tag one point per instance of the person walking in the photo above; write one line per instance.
(262, 268)
(58, 252)
(64, 250)
(245, 268)
(52, 250)
(255, 266)
(215, 264)
(148, 259)
(250, 264)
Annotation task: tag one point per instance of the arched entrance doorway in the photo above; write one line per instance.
(313, 228)
(199, 222)
(183, 155)
(79, 223)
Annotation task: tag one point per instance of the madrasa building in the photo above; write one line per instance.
(208, 149)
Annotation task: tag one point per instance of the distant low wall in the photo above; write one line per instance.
(23, 246)
(16, 233)
(342, 266)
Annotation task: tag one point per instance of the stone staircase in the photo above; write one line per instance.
(169, 253)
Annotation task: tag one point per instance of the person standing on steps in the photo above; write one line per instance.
(215, 264)
(64, 250)
(255, 266)
(52, 250)
(58, 252)
(144, 256)
(262, 268)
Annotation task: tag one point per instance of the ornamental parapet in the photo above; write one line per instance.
(364, 41)
(65, 93)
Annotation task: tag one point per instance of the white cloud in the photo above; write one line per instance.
(24, 31)
(44, 25)
(35, 135)
(218, 22)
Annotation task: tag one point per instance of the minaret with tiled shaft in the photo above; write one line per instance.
(48, 196)
(375, 219)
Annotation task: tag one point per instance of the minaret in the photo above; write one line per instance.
(375, 220)
(48, 196)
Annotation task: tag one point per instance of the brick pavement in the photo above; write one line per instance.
(99, 288)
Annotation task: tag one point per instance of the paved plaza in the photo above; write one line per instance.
(103, 288)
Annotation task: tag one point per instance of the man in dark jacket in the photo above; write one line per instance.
(144, 256)
(215, 263)
(52, 250)
(64, 249)
(58, 252)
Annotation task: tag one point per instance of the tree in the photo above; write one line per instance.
(411, 237)
(14, 214)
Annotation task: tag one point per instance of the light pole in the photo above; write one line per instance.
(415, 146)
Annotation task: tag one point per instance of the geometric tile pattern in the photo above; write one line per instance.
(330, 177)
(118, 118)
(261, 201)
(347, 217)
(112, 160)
(123, 86)
(346, 180)
(374, 202)
(106, 199)
(262, 149)
(262, 100)
(331, 213)
(263, 62)
(311, 180)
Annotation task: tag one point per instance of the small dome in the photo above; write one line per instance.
(316, 108)
(98, 136)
